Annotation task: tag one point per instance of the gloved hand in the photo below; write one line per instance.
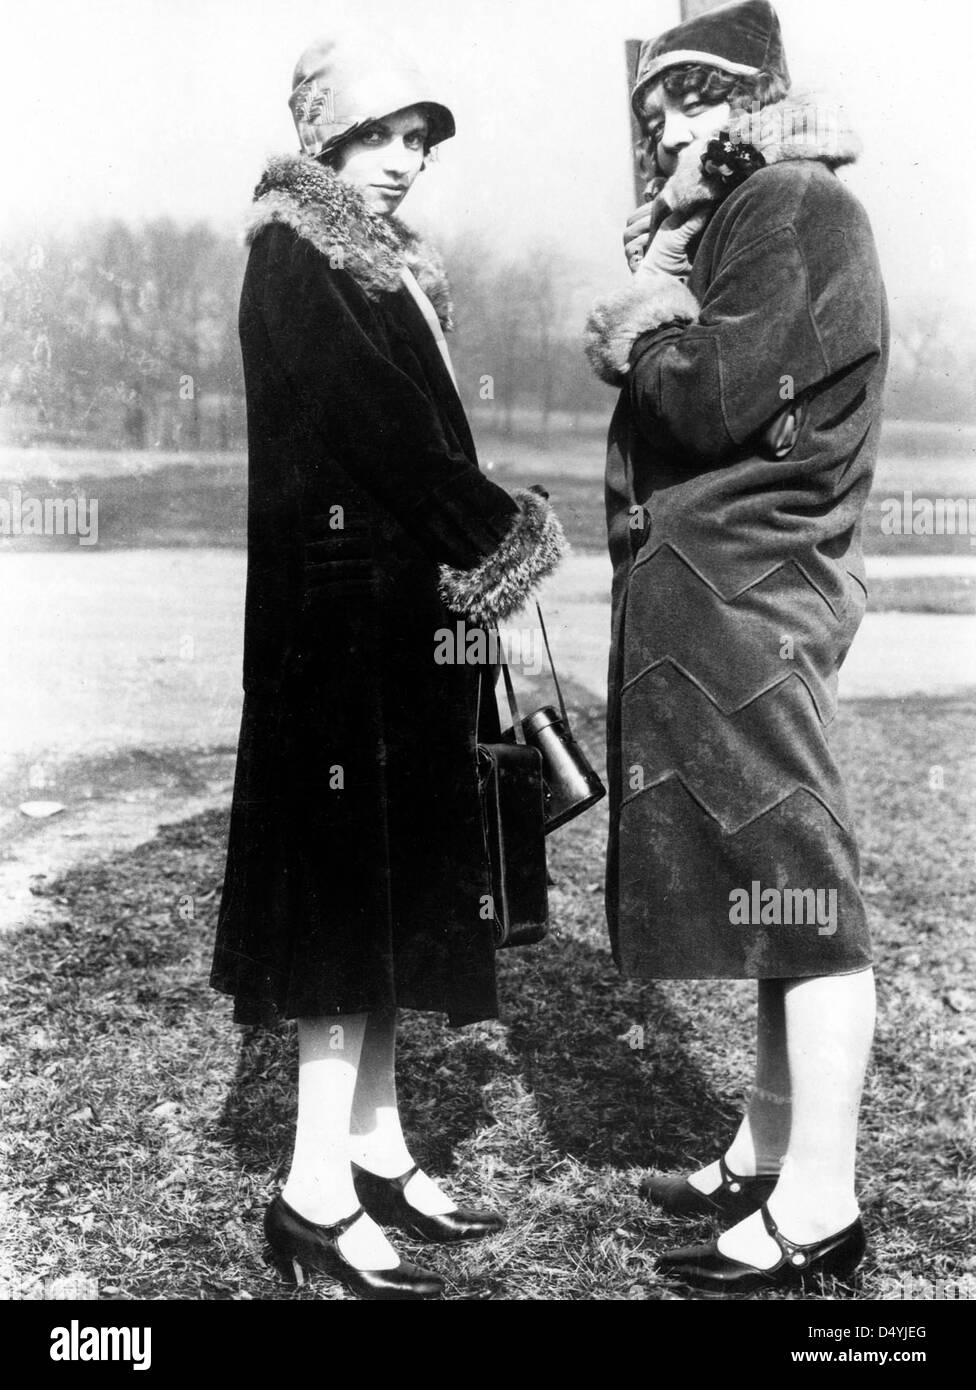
(644, 221)
(668, 250)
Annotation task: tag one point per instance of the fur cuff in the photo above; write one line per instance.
(616, 323)
(500, 585)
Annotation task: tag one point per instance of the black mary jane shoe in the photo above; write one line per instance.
(735, 1196)
(704, 1267)
(385, 1200)
(298, 1246)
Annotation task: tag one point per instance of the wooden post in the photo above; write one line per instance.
(631, 54)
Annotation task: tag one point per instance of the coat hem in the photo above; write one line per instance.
(260, 1013)
(814, 973)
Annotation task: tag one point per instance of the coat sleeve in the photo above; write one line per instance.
(381, 427)
(754, 347)
(715, 373)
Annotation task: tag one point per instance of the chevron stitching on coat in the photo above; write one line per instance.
(731, 709)
(731, 830)
(753, 583)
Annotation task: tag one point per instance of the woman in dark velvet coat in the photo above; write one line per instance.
(751, 349)
(356, 871)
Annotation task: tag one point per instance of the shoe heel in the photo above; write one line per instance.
(842, 1271)
(288, 1266)
(846, 1273)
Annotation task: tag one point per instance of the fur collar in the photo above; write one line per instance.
(802, 126)
(332, 217)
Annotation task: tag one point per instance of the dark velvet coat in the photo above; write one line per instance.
(738, 577)
(356, 867)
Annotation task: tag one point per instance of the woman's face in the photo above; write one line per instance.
(672, 123)
(384, 161)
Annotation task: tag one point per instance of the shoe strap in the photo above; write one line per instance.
(732, 1182)
(334, 1229)
(797, 1254)
(399, 1182)
(339, 1228)
(794, 1254)
(404, 1178)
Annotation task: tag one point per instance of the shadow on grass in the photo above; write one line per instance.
(610, 1065)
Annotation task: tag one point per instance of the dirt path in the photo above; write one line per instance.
(111, 804)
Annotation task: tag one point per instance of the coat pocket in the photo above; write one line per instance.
(352, 575)
(338, 533)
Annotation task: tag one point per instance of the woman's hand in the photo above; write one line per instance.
(668, 251)
(637, 234)
(643, 222)
(656, 237)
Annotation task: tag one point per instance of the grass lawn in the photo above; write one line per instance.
(144, 1133)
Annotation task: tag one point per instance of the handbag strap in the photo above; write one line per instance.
(552, 668)
(517, 729)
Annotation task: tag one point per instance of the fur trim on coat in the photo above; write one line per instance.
(501, 584)
(616, 323)
(799, 127)
(333, 217)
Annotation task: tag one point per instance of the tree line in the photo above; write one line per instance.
(125, 337)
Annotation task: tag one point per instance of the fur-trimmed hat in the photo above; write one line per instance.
(743, 39)
(344, 83)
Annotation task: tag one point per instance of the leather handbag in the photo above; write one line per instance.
(513, 818)
(570, 784)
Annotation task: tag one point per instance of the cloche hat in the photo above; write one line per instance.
(344, 83)
(743, 39)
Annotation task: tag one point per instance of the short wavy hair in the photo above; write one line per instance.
(713, 86)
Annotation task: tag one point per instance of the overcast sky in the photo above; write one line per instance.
(137, 108)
